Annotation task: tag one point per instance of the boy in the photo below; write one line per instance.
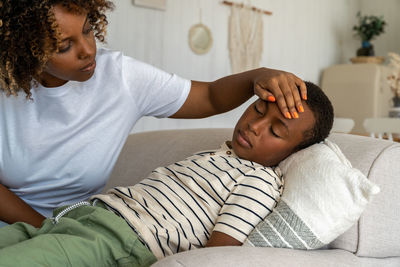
(213, 198)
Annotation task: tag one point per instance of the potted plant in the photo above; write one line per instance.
(367, 29)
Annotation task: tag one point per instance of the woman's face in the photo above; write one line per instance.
(75, 59)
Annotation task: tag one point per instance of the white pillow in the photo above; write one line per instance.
(323, 197)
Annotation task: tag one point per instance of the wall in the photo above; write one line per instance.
(390, 9)
(302, 37)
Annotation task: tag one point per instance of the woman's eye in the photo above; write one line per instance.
(64, 49)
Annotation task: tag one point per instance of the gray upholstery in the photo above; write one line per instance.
(373, 241)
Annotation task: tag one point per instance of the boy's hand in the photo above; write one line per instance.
(220, 239)
(282, 87)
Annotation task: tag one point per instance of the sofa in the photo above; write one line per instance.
(373, 241)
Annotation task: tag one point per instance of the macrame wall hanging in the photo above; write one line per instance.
(245, 36)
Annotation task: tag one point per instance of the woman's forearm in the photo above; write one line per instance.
(231, 91)
(13, 209)
(211, 98)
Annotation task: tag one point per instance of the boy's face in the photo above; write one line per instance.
(264, 136)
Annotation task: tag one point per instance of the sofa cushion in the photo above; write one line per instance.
(377, 159)
(250, 256)
(143, 152)
(323, 197)
(271, 257)
(378, 229)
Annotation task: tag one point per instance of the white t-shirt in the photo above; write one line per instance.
(61, 147)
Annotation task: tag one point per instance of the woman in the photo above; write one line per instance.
(67, 108)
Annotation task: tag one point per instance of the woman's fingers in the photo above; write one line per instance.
(263, 93)
(303, 88)
(286, 89)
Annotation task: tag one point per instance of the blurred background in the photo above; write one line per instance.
(301, 36)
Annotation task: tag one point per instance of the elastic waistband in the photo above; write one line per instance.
(68, 209)
(100, 204)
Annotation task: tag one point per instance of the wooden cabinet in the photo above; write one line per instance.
(358, 91)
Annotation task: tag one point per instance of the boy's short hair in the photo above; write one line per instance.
(322, 109)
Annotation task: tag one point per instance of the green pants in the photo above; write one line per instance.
(86, 236)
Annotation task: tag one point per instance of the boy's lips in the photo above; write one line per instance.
(243, 139)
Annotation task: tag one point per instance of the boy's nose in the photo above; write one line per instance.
(257, 125)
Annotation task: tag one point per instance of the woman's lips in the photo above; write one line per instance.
(90, 67)
(243, 140)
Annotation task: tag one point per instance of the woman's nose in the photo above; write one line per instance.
(86, 50)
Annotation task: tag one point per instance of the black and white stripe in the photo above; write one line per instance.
(176, 208)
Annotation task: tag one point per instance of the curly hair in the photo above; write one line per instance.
(322, 109)
(29, 35)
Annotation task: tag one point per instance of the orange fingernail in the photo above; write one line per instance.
(271, 98)
(301, 109)
(295, 115)
(288, 115)
(305, 96)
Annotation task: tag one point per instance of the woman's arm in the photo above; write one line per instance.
(13, 209)
(210, 98)
(220, 239)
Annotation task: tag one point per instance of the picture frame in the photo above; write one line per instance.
(155, 4)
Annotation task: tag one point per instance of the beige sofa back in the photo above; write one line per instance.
(375, 235)
(378, 230)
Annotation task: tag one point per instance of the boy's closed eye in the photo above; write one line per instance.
(257, 110)
(261, 107)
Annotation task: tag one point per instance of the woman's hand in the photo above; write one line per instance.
(282, 87)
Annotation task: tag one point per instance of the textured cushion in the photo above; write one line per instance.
(323, 197)
(376, 233)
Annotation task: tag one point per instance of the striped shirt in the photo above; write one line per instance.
(176, 208)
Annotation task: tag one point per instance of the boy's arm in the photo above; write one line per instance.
(221, 239)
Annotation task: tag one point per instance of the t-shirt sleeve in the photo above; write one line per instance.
(249, 203)
(155, 92)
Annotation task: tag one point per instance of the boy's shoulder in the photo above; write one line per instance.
(223, 154)
(222, 150)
